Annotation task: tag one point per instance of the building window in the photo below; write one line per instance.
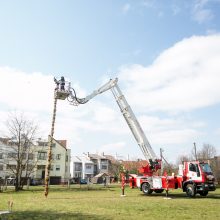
(95, 168)
(11, 167)
(42, 156)
(51, 167)
(66, 158)
(41, 167)
(1, 156)
(23, 156)
(58, 156)
(30, 156)
(53, 145)
(77, 166)
(12, 155)
(66, 168)
(88, 167)
(57, 167)
(104, 167)
(30, 167)
(1, 166)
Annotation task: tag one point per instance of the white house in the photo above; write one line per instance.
(101, 163)
(81, 168)
(89, 165)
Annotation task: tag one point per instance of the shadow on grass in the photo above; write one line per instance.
(27, 215)
(183, 196)
(77, 188)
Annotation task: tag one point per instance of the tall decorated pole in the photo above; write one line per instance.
(123, 183)
(123, 180)
(62, 93)
(49, 152)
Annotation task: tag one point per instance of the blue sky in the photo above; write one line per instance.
(163, 52)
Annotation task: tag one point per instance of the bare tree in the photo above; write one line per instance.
(19, 154)
(182, 158)
(169, 168)
(207, 152)
(114, 168)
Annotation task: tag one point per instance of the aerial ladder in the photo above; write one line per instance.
(153, 163)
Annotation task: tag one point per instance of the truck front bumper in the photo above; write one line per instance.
(206, 187)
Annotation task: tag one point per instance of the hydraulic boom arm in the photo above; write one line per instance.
(128, 115)
(126, 111)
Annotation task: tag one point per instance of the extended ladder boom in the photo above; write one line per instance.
(110, 84)
(127, 113)
(133, 124)
(130, 118)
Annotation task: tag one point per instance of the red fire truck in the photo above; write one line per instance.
(193, 177)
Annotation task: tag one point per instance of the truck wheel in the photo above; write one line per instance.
(204, 193)
(158, 190)
(190, 190)
(146, 188)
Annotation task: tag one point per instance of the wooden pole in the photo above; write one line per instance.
(49, 152)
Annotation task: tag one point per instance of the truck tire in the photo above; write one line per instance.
(146, 188)
(158, 190)
(203, 193)
(190, 190)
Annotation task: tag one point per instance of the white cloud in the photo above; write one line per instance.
(112, 148)
(200, 13)
(203, 15)
(25, 91)
(217, 131)
(184, 77)
(170, 130)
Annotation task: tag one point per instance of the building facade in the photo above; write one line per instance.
(60, 163)
(81, 168)
(36, 158)
(89, 165)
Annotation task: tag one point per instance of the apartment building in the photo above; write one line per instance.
(36, 158)
(8, 157)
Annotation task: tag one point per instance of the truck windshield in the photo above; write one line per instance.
(205, 167)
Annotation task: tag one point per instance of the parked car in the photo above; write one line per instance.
(83, 181)
(73, 181)
(36, 182)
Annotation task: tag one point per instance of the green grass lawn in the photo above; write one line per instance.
(106, 203)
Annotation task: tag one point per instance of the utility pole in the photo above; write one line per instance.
(195, 150)
(161, 157)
